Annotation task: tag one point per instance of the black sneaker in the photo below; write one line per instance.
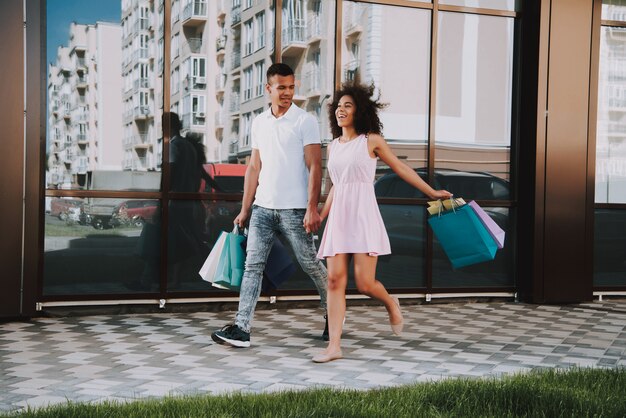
(232, 335)
(325, 336)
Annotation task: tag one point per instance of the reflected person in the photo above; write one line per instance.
(186, 217)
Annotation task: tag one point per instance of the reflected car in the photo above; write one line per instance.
(220, 214)
(62, 207)
(134, 212)
(405, 223)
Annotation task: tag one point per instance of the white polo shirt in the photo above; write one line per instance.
(284, 177)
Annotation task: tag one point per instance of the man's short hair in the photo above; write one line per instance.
(278, 69)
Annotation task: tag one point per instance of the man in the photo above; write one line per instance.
(284, 179)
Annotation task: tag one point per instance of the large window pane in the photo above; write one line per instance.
(609, 247)
(512, 5)
(474, 96)
(611, 129)
(102, 87)
(614, 10)
(101, 246)
(374, 51)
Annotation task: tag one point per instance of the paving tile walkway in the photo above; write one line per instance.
(126, 357)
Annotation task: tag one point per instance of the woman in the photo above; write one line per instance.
(355, 227)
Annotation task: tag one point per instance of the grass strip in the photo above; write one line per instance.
(545, 393)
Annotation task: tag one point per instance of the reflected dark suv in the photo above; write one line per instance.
(405, 223)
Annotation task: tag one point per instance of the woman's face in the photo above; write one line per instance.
(345, 112)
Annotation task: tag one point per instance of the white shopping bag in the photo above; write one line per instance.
(207, 272)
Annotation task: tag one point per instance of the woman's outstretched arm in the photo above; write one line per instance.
(378, 146)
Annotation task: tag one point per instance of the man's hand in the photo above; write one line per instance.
(311, 221)
(242, 218)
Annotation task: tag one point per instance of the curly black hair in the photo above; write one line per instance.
(366, 118)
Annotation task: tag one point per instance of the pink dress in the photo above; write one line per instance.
(354, 223)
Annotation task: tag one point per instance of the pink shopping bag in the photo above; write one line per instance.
(494, 230)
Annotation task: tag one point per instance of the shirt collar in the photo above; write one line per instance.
(291, 114)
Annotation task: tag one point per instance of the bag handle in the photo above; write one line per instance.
(453, 204)
(239, 231)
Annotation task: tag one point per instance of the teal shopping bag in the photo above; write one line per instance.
(463, 237)
(231, 264)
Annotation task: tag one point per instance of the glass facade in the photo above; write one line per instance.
(610, 175)
(449, 119)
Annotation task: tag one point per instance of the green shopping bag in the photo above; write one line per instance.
(229, 271)
(463, 237)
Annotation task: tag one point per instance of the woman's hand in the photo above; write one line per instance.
(440, 194)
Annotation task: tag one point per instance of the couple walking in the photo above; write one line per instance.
(281, 193)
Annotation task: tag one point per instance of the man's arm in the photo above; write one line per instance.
(313, 161)
(250, 183)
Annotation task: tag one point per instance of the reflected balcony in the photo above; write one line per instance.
(312, 83)
(193, 120)
(194, 46)
(81, 168)
(142, 112)
(140, 164)
(81, 81)
(219, 119)
(235, 15)
(221, 9)
(195, 13)
(66, 110)
(220, 44)
(353, 19)
(298, 91)
(220, 83)
(141, 83)
(314, 29)
(81, 64)
(350, 70)
(141, 25)
(235, 103)
(141, 54)
(233, 147)
(617, 104)
(293, 39)
(81, 114)
(141, 140)
(56, 104)
(194, 83)
(82, 138)
(235, 59)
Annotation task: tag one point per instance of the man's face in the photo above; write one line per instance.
(280, 89)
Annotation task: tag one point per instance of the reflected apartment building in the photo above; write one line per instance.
(84, 87)
(142, 85)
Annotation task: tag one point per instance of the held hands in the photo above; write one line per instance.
(242, 218)
(311, 221)
(440, 194)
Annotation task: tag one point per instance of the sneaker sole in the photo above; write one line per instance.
(232, 343)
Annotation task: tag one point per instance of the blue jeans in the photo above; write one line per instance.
(264, 224)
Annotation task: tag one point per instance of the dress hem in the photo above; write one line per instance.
(370, 253)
